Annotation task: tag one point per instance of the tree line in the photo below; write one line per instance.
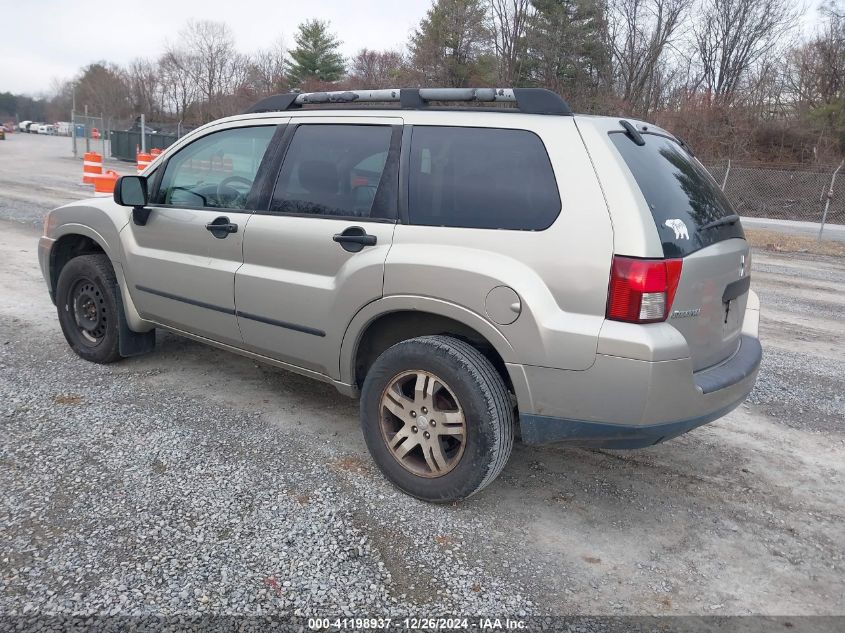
(735, 78)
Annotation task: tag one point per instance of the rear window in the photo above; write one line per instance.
(484, 178)
(682, 196)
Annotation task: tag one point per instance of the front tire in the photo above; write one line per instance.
(86, 299)
(437, 418)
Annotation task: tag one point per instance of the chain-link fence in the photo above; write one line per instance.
(89, 134)
(126, 139)
(783, 192)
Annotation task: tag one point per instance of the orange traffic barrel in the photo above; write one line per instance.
(95, 133)
(92, 165)
(144, 159)
(104, 183)
(155, 152)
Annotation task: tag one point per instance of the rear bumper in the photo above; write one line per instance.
(537, 429)
(631, 403)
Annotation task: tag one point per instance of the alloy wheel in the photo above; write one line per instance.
(422, 423)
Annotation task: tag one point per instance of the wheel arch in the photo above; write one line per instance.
(392, 319)
(72, 242)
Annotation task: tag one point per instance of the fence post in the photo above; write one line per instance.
(829, 197)
(143, 134)
(727, 171)
(73, 131)
(87, 131)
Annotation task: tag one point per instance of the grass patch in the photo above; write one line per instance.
(787, 243)
(68, 398)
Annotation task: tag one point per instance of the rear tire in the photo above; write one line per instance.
(437, 418)
(88, 307)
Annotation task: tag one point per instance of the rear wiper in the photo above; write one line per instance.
(631, 133)
(728, 219)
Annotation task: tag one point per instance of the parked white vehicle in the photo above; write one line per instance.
(33, 127)
(63, 128)
(22, 126)
(47, 129)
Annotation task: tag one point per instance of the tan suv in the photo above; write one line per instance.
(471, 273)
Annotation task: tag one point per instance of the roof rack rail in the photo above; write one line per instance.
(528, 100)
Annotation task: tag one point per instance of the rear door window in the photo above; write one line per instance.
(684, 200)
(484, 178)
(340, 170)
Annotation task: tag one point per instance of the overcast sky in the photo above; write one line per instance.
(48, 39)
(52, 39)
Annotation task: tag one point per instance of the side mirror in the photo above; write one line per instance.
(131, 191)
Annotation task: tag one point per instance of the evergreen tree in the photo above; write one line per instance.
(316, 55)
(568, 49)
(453, 44)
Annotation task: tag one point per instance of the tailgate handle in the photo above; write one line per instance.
(736, 289)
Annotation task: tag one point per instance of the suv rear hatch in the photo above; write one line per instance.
(697, 225)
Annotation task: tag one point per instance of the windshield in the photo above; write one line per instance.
(684, 200)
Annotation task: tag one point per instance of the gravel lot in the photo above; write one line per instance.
(193, 481)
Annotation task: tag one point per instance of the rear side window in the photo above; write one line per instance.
(483, 178)
(684, 200)
(339, 170)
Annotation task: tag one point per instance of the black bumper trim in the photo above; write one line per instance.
(542, 429)
(738, 367)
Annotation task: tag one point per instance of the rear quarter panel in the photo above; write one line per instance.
(560, 274)
(633, 226)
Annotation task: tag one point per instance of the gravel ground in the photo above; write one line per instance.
(793, 383)
(198, 506)
(191, 481)
(39, 173)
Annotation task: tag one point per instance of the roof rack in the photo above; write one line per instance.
(528, 100)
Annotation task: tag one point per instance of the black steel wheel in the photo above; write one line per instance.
(87, 304)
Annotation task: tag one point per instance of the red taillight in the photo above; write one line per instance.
(642, 290)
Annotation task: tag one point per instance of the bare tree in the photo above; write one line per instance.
(734, 35)
(208, 57)
(269, 68)
(145, 87)
(509, 21)
(372, 69)
(179, 92)
(816, 68)
(642, 31)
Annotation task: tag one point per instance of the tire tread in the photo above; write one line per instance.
(501, 411)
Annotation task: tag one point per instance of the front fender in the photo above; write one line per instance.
(100, 220)
(97, 218)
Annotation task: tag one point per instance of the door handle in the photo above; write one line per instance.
(354, 239)
(221, 227)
